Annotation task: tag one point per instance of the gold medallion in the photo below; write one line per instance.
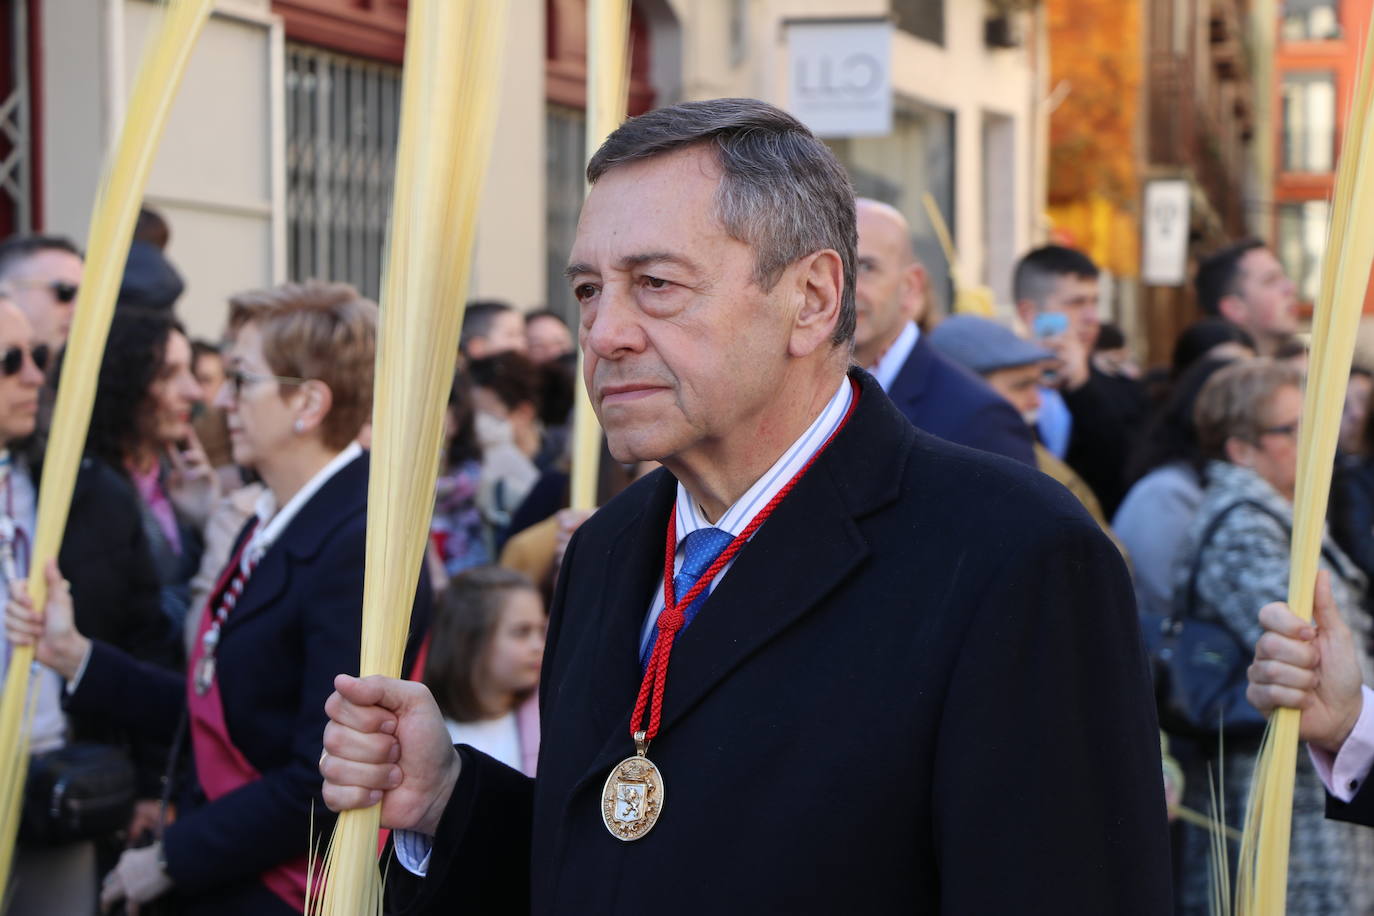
(632, 798)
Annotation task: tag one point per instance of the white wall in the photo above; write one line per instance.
(74, 57)
(217, 173)
(509, 259)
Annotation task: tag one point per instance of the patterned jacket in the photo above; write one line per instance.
(1242, 567)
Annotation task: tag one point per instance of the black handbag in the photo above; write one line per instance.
(1198, 666)
(77, 792)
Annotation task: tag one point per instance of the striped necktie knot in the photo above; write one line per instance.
(700, 549)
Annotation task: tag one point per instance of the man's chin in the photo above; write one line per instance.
(630, 447)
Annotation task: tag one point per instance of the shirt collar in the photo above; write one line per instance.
(272, 522)
(690, 517)
(891, 362)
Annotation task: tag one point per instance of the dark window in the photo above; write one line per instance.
(922, 18)
(565, 152)
(1310, 20)
(1301, 239)
(342, 116)
(917, 156)
(1309, 122)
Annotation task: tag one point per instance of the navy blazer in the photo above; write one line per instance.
(947, 400)
(920, 688)
(296, 626)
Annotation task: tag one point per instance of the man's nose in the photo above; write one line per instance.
(615, 329)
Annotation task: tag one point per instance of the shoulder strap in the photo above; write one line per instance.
(1190, 602)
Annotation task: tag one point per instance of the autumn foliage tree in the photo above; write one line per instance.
(1095, 65)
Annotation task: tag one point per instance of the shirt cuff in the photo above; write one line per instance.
(413, 851)
(1344, 772)
(75, 682)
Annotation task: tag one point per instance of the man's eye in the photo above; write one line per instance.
(584, 291)
(655, 282)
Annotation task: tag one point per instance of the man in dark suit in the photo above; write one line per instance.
(933, 392)
(912, 681)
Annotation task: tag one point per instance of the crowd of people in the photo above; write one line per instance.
(208, 589)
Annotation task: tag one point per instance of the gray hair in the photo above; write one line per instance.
(1235, 402)
(782, 191)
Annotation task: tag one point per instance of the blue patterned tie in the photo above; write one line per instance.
(700, 549)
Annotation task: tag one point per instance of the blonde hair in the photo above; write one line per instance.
(324, 332)
(1235, 401)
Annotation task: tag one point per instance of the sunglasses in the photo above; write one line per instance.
(13, 359)
(63, 292)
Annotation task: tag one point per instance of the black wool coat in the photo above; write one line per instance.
(920, 688)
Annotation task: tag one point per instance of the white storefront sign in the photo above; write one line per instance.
(1164, 241)
(840, 76)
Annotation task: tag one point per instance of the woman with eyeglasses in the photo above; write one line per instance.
(1235, 559)
(283, 620)
(117, 591)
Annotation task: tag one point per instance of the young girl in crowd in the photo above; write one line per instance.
(486, 646)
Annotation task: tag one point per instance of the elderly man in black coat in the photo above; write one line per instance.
(870, 671)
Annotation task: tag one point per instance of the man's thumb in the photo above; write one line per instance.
(1325, 614)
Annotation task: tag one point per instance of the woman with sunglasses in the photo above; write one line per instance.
(284, 618)
(117, 591)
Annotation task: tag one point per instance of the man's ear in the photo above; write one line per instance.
(914, 286)
(1232, 308)
(1026, 312)
(819, 285)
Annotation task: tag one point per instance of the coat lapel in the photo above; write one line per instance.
(630, 572)
(797, 558)
(810, 545)
(909, 387)
(342, 496)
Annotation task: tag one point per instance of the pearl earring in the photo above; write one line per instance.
(299, 426)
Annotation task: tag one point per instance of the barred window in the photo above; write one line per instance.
(342, 116)
(566, 185)
(1309, 121)
(1310, 20)
(1301, 240)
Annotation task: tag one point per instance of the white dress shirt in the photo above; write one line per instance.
(895, 357)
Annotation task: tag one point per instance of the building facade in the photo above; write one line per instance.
(1145, 90)
(1316, 66)
(278, 155)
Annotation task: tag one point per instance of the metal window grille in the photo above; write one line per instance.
(342, 116)
(565, 157)
(16, 191)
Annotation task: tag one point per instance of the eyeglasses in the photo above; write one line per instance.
(62, 292)
(12, 361)
(237, 378)
(1287, 429)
